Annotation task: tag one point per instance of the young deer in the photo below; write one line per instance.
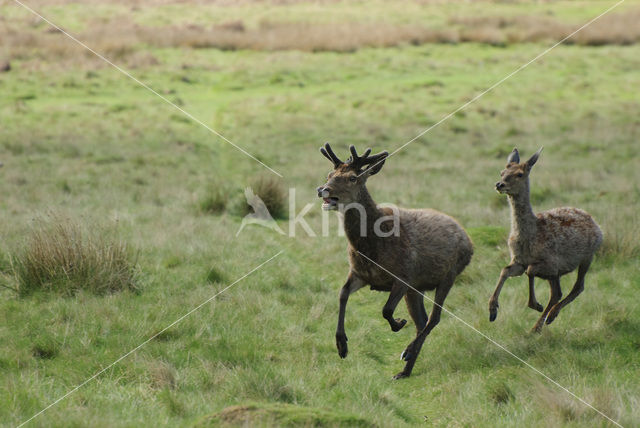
(547, 245)
(428, 251)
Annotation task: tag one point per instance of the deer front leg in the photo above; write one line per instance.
(398, 290)
(533, 302)
(514, 269)
(353, 284)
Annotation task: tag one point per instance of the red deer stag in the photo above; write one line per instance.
(427, 250)
(547, 245)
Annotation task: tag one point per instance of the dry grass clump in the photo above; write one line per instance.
(271, 36)
(62, 256)
(616, 29)
(513, 29)
(488, 35)
(120, 39)
(162, 375)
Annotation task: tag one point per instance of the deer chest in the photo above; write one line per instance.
(372, 274)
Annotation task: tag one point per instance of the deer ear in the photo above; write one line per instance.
(534, 158)
(375, 167)
(514, 156)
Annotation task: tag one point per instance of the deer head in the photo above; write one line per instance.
(347, 180)
(515, 177)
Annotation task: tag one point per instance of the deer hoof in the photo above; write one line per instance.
(399, 323)
(493, 310)
(407, 354)
(553, 313)
(401, 375)
(536, 306)
(341, 343)
(537, 328)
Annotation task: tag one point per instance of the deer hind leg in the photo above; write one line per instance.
(410, 354)
(578, 287)
(398, 290)
(533, 302)
(556, 295)
(415, 305)
(514, 269)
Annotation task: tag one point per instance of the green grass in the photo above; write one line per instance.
(269, 414)
(62, 256)
(94, 143)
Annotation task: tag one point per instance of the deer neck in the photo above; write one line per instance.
(359, 220)
(523, 220)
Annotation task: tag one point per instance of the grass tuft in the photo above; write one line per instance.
(162, 375)
(215, 200)
(44, 351)
(64, 257)
(171, 401)
(214, 276)
(272, 192)
(282, 415)
(500, 393)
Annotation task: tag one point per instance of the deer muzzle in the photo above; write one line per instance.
(329, 203)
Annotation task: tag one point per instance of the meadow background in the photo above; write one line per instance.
(118, 214)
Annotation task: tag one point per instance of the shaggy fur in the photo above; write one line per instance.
(429, 252)
(547, 245)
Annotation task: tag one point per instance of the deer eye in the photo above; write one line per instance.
(519, 174)
(353, 178)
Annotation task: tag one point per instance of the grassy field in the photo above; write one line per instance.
(81, 143)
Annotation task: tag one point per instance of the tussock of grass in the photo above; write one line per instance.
(563, 407)
(171, 401)
(214, 276)
(44, 351)
(63, 256)
(162, 375)
(282, 415)
(500, 392)
(214, 201)
(272, 192)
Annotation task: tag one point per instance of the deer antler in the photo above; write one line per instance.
(328, 153)
(359, 161)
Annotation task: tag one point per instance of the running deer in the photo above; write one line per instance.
(547, 245)
(401, 251)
